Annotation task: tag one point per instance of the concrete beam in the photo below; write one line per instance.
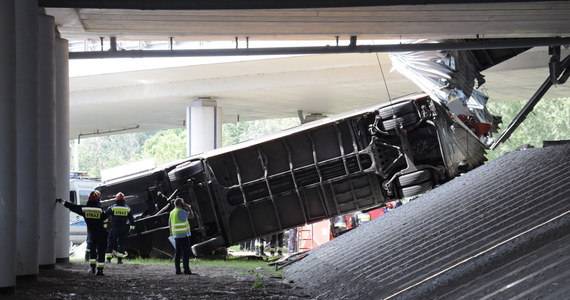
(246, 4)
(474, 44)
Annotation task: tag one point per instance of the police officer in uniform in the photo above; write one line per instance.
(94, 218)
(119, 214)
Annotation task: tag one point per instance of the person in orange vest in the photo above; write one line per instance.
(94, 218)
(180, 231)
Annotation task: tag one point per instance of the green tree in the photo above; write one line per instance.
(549, 120)
(165, 146)
(97, 153)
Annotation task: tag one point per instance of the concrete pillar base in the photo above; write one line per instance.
(7, 290)
(32, 277)
(47, 267)
(62, 260)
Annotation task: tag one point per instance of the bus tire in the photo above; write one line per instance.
(185, 171)
(415, 178)
(416, 189)
(208, 246)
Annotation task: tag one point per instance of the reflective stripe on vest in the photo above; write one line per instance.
(178, 226)
(92, 212)
(120, 211)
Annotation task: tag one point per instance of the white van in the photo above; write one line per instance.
(79, 190)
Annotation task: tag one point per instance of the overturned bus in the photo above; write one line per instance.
(354, 161)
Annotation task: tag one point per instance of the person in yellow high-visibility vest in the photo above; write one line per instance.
(180, 231)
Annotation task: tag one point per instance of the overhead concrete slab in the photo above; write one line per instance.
(426, 20)
(270, 88)
(273, 88)
(278, 87)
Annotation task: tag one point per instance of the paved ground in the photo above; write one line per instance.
(502, 231)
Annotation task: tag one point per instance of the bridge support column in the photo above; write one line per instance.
(27, 138)
(204, 126)
(62, 149)
(7, 147)
(47, 157)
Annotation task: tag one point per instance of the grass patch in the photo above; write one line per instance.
(234, 248)
(148, 261)
(259, 283)
(242, 266)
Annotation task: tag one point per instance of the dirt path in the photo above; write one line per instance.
(135, 281)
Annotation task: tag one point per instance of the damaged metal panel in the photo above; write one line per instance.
(452, 78)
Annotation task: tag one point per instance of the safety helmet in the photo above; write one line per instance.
(94, 196)
(120, 196)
